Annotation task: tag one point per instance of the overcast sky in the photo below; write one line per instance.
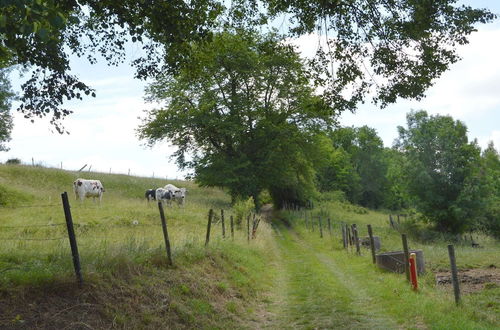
(103, 128)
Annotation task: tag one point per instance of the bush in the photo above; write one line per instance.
(242, 209)
(13, 161)
(333, 196)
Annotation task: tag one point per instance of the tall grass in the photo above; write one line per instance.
(123, 227)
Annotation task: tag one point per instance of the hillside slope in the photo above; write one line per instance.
(288, 277)
(127, 281)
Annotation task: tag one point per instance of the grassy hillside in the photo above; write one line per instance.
(288, 277)
(128, 283)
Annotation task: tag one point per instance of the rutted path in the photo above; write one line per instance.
(313, 292)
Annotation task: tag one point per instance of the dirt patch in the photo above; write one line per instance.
(471, 280)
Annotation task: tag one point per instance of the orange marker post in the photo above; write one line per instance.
(413, 271)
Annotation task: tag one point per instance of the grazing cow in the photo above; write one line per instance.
(150, 194)
(88, 188)
(178, 194)
(163, 195)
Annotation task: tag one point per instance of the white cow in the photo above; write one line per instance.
(88, 188)
(164, 195)
(178, 194)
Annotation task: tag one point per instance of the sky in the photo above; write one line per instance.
(102, 129)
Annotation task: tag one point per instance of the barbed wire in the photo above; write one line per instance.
(30, 226)
(46, 205)
(32, 239)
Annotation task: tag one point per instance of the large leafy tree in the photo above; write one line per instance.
(392, 48)
(245, 113)
(443, 170)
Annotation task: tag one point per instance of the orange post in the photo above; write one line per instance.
(413, 271)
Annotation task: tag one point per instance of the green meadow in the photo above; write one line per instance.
(287, 277)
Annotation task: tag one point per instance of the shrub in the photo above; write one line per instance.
(242, 209)
(13, 161)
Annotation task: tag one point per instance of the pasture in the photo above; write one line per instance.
(288, 277)
(122, 253)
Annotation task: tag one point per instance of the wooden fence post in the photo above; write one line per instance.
(232, 227)
(72, 238)
(349, 236)
(454, 274)
(406, 256)
(248, 228)
(165, 233)
(320, 227)
(209, 224)
(356, 238)
(222, 223)
(344, 236)
(372, 243)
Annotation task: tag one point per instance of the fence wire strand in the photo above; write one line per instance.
(32, 239)
(30, 226)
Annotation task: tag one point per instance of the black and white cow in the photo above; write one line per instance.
(163, 195)
(88, 188)
(178, 194)
(150, 194)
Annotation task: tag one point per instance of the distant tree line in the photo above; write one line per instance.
(432, 167)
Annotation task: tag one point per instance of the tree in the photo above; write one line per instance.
(42, 35)
(6, 97)
(396, 196)
(366, 153)
(442, 170)
(490, 160)
(244, 111)
(391, 48)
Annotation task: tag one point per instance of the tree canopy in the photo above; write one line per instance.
(442, 171)
(392, 48)
(245, 113)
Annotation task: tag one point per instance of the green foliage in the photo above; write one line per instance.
(242, 209)
(6, 97)
(357, 166)
(490, 221)
(407, 43)
(396, 197)
(13, 161)
(442, 170)
(43, 35)
(247, 127)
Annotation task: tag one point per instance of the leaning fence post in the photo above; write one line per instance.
(454, 275)
(165, 233)
(372, 243)
(349, 236)
(406, 256)
(72, 238)
(223, 225)
(232, 227)
(209, 224)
